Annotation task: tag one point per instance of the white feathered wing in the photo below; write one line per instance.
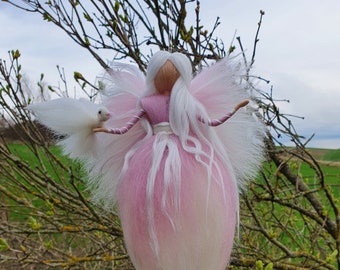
(218, 88)
(103, 155)
(122, 86)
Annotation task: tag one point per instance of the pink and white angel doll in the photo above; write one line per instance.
(177, 156)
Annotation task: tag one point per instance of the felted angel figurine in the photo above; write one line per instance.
(171, 163)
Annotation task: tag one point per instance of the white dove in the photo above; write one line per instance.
(74, 118)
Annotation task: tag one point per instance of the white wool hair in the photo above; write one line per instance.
(185, 112)
(196, 137)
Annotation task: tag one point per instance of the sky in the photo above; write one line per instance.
(298, 51)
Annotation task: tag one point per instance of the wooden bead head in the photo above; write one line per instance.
(166, 78)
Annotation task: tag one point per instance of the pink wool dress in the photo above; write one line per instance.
(183, 222)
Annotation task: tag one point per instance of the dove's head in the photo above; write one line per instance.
(103, 114)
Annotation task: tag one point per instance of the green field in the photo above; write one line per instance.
(328, 159)
(289, 227)
(49, 167)
(325, 154)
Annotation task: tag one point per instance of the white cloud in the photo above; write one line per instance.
(43, 46)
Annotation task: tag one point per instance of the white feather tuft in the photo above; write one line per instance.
(219, 89)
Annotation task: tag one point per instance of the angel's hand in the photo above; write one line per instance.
(100, 129)
(241, 104)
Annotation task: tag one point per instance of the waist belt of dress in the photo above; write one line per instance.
(163, 127)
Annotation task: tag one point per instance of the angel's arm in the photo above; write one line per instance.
(217, 122)
(124, 129)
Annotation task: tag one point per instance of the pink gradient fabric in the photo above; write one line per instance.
(197, 236)
(157, 108)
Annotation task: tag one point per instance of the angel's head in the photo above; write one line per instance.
(166, 78)
(165, 70)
